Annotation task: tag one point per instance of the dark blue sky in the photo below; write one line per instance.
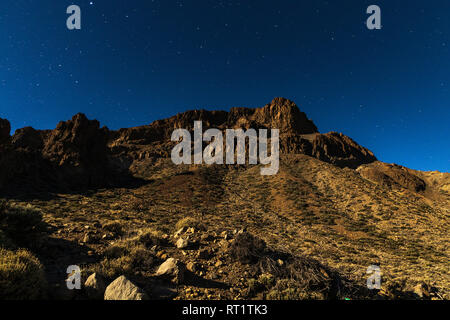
(136, 61)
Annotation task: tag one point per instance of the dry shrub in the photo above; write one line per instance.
(114, 227)
(130, 256)
(22, 224)
(149, 238)
(299, 277)
(131, 262)
(21, 276)
(189, 222)
(247, 249)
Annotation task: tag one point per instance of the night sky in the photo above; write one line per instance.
(136, 61)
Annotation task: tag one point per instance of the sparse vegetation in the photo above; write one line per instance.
(21, 276)
(311, 232)
(189, 222)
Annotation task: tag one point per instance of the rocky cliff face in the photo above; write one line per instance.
(80, 154)
(298, 134)
(281, 113)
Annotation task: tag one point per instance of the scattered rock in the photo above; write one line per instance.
(179, 232)
(124, 289)
(192, 267)
(173, 269)
(95, 286)
(206, 237)
(182, 243)
(86, 238)
(204, 254)
(213, 276)
(224, 244)
(190, 230)
(422, 291)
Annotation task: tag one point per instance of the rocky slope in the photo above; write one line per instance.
(217, 232)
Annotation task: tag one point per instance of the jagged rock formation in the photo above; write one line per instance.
(71, 156)
(340, 150)
(80, 154)
(5, 128)
(298, 134)
(78, 147)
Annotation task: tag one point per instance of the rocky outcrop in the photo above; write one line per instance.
(298, 134)
(29, 138)
(5, 129)
(281, 113)
(78, 148)
(72, 156)
(392, 175)
(284, 115)
(340, 150)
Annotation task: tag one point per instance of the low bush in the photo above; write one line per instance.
(189, 222)
(21, 276)
(247, 249)
(298, 277)
(21, 224)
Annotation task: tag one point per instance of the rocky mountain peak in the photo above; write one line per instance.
(285, 115)
(280, 113)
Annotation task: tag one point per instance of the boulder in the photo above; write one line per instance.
(192, 266)
(182, 243)
(124, 289)
(172, 269)
(422, 291)
(95, 286)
